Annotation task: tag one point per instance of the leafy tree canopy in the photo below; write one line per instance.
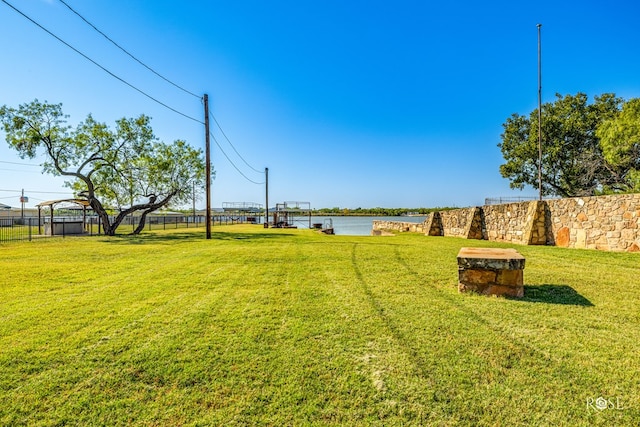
(620, 142)
(126, 168)
(573, 163)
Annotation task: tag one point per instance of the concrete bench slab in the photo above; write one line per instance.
(491, 271)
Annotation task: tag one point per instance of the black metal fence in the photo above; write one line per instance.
(503, 200)
(17, 228)
(29, 228)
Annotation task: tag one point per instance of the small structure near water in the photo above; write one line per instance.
(287, 214)
(325, 227)
(243, 212)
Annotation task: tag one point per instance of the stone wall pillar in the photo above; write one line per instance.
(536, 224)
(433, 225)
(474, 224)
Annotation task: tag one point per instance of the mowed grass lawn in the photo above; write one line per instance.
(291, 327)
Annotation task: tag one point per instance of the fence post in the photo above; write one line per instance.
(29, 229)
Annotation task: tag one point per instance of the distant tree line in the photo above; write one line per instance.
(376, 211)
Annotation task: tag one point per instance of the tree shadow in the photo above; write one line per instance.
(554, 294)
(248, 236)
(184, 237)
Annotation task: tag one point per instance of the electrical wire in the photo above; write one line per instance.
(16, 170)
(36, 192)
(128, 53)
(18, 163)
(139, 90)
(100, 66)
(233, 164)
(229, 141)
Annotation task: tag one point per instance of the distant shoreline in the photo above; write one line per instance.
(364, 214)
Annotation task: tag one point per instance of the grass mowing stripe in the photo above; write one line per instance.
(512, 349)
(292, 327)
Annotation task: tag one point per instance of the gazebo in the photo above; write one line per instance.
(62, 227)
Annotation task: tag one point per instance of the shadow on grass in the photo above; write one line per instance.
(554, 294)
(183, 237)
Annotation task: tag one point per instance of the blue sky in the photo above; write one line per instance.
(348, 103)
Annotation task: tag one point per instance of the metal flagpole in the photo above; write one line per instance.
(539, 115)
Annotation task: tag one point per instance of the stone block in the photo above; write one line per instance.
(510, 278)
(490, 259)
(512, 291)
(479, 276)
(488, 271)
(581, 239)
(563, 237)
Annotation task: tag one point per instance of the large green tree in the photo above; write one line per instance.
(620, 142)
(572, 159)
(126, 169)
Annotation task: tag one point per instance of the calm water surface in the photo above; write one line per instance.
(356, 225)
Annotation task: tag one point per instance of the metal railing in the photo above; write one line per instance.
(503, 200)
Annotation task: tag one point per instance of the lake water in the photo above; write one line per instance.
(356, 225)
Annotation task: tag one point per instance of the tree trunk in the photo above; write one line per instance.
(143, 219)
(107, 227)
(146, 208)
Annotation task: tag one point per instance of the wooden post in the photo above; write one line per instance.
(266, 207)
(208, 164)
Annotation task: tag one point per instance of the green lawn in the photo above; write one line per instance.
(291, 327)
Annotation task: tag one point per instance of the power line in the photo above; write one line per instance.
(128, 53)
(37, 192)
(233, 164)
(15, 170)
(18, 163)
(229, 141)
(139, 90)
(100, 66)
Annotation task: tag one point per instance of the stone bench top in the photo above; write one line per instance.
(490, 258)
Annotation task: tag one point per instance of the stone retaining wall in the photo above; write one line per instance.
(610, 223)
(466, 222)
(522, 223)
(402, 227)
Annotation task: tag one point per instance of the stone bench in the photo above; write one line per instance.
(491, 271)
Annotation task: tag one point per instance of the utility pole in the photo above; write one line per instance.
(539, 114)
(266, 209)
(208, 164)
(194, 201)
(22, 200)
